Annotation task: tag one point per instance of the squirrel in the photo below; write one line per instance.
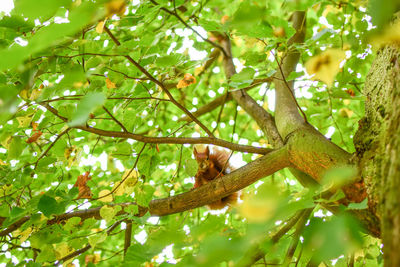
(213, 166)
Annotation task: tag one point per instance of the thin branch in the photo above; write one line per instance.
(164, 140)
(255, 253)
(126, 176)
(87, 247)
(296, 236)
(160, 84)
(128, 236)
(173, 13)
(51, 145)
(115, 119)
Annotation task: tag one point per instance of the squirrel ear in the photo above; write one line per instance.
(195, 151)
(207, 151)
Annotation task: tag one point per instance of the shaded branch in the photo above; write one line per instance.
(296, 236)
(128, 236)
(255, 253)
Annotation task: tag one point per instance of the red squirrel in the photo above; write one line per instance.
(213, 166)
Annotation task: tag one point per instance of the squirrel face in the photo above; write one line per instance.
(203, 159)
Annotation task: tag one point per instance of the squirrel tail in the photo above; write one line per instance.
(226, 201)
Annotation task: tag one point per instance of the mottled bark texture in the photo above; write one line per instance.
(377, 143)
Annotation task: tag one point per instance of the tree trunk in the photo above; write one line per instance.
(378, 147)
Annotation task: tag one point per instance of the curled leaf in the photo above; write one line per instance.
(187, 80)
(84, 189)
(34, 137)
(110, 84)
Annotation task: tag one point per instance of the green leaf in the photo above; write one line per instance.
(170, 60)
(15, 148)
(191, 167)
(358, 206)
(48, 205)
(87, 105)
(144, 195)
(97, 239)
(138, 254)
(108, 212)
(49, 35)
(35, 9)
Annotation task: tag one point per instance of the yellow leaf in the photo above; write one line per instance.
(107, 213)
(62, 250)
(24, 94)
(345, 112)
(2, 162)
(105, 196)
(110, 84)
(100, 26)
(325, 66)
(198, 70)
(24, 121)
(118, 189)
(391, 35)
(35, 94)
(115, 7)
(257, 211)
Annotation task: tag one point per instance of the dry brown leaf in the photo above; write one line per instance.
(279, 32)
(187, 80)
(224, 19)
(84, 189)
(34, 137)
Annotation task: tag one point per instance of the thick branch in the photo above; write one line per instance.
(258, 113)
(220, 100)
(287, 115)
(217, 189)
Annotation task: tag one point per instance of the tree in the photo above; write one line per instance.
(102, 102)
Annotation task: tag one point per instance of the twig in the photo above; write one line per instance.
(115, 119)
(51, 145)
(164, 140)
(173, 13)
(160, 84)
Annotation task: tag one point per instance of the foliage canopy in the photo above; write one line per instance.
(97, 96)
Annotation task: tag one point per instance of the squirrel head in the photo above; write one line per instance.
(203, 159)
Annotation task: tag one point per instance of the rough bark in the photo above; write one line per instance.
(378, 147)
